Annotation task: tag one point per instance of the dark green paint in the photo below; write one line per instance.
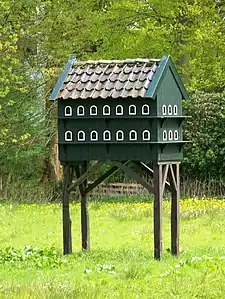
(158, 78)
(167, 90)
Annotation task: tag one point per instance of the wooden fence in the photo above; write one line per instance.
(189, 188)
(118, 189)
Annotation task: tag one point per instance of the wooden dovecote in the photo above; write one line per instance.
(123, 111)
(119, 110)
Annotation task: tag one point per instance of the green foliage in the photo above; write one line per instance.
(22, 137)
(192, 32)
(120, 263)
(37, 37)
(205, 154)
(32, 256)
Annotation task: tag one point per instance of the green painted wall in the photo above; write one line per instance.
(169, 96)
(155, 122)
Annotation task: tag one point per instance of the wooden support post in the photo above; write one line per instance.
(85, 228)
(175, 210)
(84, 176)
(67, 238)
(157, 210)
(146, 169)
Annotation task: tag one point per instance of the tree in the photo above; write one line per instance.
(191, 31)
(31, 59)
(38, 36)
(205, 154)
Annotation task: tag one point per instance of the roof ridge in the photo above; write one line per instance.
(125, 61)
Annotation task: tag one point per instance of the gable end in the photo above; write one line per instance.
(165, 64)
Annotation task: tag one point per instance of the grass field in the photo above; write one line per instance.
(120, 263)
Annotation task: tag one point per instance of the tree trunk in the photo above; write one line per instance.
(52, 168)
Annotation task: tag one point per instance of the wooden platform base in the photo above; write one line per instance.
(165, 176)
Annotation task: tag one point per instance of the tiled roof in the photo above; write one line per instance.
(109, 79)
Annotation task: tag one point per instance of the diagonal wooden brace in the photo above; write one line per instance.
(134, 176)
(145, 168)
(84, 176)
(102, 178)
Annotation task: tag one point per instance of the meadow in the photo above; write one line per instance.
(120, 263)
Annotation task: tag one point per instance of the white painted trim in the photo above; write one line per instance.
(164, 135)
(96, 110)
(164, 110)
(80, 113)
(130, 135)
(170, 135)
(81, 138)
(66, 112)
(135, 110)
(103, 110)
(170, 110)
(175, 110)
(143, 135)
(117, 135)
(119, 107)
(68, 136)
(176, 135)
(143, 109)
(91, 137)
(104, 137)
